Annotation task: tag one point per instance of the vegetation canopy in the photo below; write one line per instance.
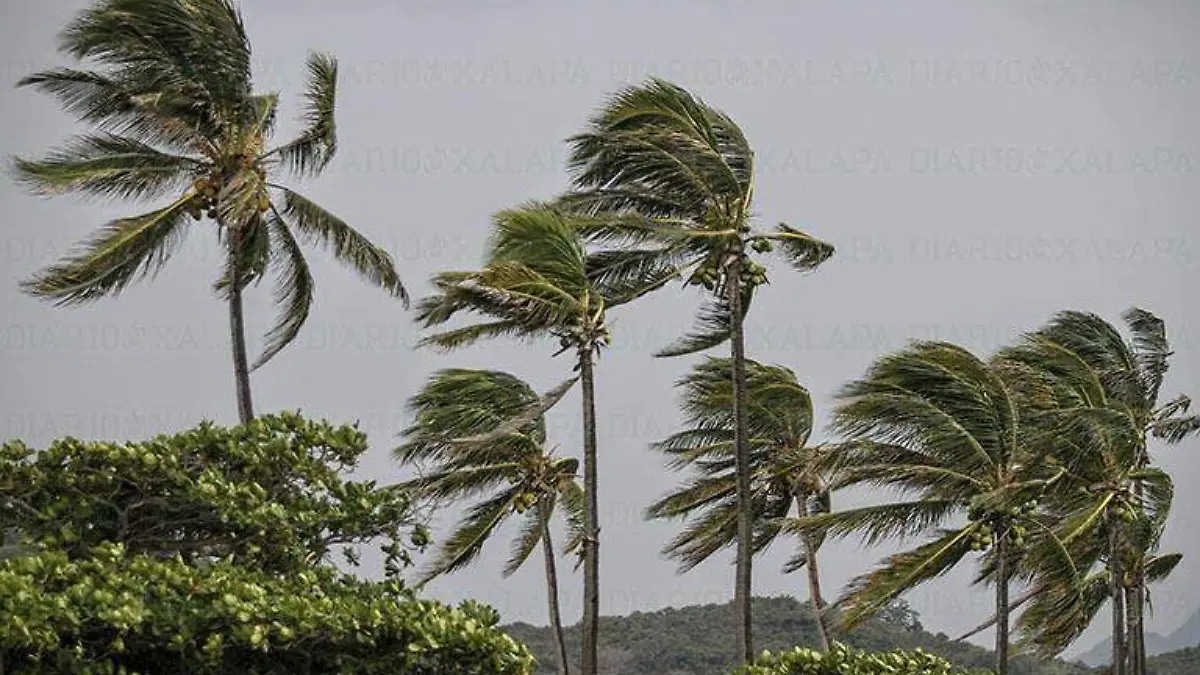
(210, 551)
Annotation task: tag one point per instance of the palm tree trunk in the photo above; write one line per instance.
(1136, 603)
(1117, 593)
(591, 525)
(237, 330)
(1131, 632)
(1139, 597)
(1002, 622)
(745, 526)
(560, 643)
(814, 579)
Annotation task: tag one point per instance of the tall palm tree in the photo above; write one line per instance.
(535, 283)
(939, 426)
(167, 88)
(1105, 409)
(679, 175)
(783, 467)
(485, 433)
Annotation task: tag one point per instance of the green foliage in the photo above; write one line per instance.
(110, 609)
(271, 493)
(841, 659)
(695, 640)
(209, 552)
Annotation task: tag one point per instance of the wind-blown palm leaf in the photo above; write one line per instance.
(571, 504)
(316, 145)
(107, 165)
(875, 524)
(122, 252)
(1160, 567)
(802, 251)
(127, 107)
(1175, 429)
(532, 529)
(524, 418)
(460, 403)
(466, 543)
(350, 248)
(1151, 349)
(201, 43)
(713, 328)
(465, 481)
(872, 592)
(293, 289)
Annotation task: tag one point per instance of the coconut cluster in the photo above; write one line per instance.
(753, 274)
(1008, 523)
(207, 188)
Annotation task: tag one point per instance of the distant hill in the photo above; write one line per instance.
(698, 640)
(1187, 636)
(1180, 662)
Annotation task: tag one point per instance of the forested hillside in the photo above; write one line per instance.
(694, 640)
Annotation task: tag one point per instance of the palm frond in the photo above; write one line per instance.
(533, 527)
(713, 326)
(622, 276)
(802, 251)
(533, 414)
(1151, 348)
(122, 252)
(572, 504)
(457, 403)
(1160, 567)
(1175, 429)
(877, 523)
(293, 289)
(657, 139)
(197, 44)
(466, 542)
(350, 248)
(316, 145)
(106, 165)
(935, 398)
(126, 105)
(869, 593)
(464, 482)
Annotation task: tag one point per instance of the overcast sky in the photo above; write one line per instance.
(978, 165)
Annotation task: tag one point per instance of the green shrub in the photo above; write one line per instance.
(842, 660)
(210, 552)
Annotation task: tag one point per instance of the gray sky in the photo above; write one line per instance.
(978, 165)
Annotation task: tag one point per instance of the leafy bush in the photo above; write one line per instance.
(842, 660)
(208, 552)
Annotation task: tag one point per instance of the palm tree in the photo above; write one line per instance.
(939, 426)
(676, 178)
(1106, 405)
(170, 96)
(535, 283)
(485, 432)
(783, 467)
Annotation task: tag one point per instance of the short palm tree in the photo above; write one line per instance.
(939, 426)
(675, 177)
(535, 284)
(484, 432)
(168, 90)
(1104, 408)
(783, 467)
